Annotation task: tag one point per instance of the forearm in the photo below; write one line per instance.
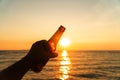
(35, 60)
(17, 70)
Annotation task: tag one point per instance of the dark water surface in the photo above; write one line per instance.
(71, 65)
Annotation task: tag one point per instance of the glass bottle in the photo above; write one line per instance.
(56, 37)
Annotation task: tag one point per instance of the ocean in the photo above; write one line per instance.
(70, 65)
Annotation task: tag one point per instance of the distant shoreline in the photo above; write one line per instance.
(67, 50)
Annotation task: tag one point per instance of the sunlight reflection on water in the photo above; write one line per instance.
(64, 65)
(71, 65)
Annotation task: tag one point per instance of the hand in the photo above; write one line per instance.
(39, 54)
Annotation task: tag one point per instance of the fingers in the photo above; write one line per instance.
(50, 53)
(46, 49)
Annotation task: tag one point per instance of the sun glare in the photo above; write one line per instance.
(65, 42)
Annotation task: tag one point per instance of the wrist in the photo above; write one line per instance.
(27, 61)
(36, 64)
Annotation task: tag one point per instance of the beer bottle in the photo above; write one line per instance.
(56, 37)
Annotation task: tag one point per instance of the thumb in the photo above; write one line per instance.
(53, 55)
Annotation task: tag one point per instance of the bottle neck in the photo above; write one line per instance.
(55, 38)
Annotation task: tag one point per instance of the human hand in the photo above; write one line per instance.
(39, 54)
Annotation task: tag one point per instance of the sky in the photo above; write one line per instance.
(90, 24)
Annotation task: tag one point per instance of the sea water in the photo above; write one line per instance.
(70, 65)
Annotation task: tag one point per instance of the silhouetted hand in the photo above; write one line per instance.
(35, 60)
(39, 55)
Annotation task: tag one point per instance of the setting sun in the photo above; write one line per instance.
(64, 42)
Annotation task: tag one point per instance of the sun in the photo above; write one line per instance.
(64, 42)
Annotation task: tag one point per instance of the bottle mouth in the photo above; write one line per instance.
(62, 28)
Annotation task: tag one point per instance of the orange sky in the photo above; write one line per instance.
(90, 24)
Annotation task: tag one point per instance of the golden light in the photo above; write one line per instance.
(65, 42)
(65, 65)
(64, 53)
